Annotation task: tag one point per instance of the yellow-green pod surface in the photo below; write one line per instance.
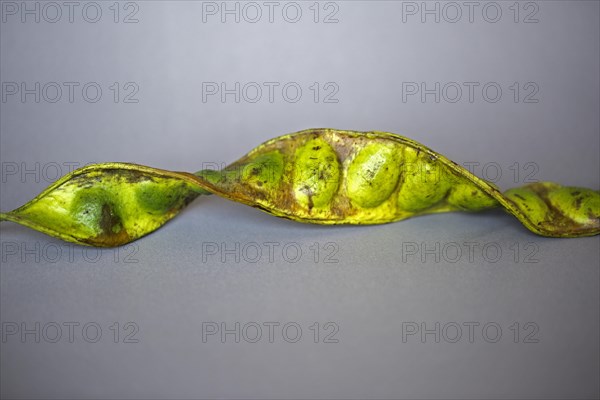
(330, 176)
(323, 176)
(108, 204)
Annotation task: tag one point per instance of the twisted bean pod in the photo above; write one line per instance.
(321, 176)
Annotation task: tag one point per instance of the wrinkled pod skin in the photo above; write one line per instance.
(322, 176)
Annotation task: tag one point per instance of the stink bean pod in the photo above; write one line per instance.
(322, 176)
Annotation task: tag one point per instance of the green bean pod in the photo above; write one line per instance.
(322, 176)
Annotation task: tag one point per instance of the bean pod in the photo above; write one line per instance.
(322, 176)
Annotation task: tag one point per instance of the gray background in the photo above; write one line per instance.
(169, 286)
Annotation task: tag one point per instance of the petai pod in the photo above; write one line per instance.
(323, 176)
(107, 204)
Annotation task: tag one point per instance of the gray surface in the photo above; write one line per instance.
(376, 291)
